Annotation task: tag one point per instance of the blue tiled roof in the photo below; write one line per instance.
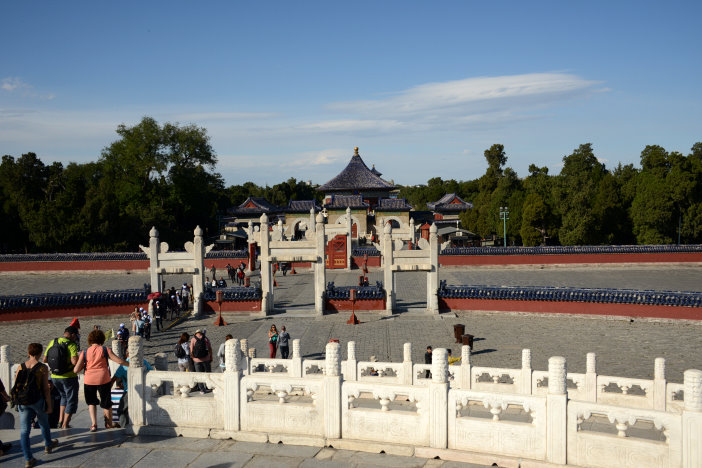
(395, 204)
(346, 201)
(302, 206)
(444, 203)
(356, 176)
(260, 206)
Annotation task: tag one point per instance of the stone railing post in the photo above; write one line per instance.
(296, 361)
(332, 392)
(266, 276)
(438, 399)
(232, 384)
(525, 373)
(692, 419)
(465, 368)
(320, 269)
(351, 373)
(388, 276)
(433, 274)
(407, 364)
(137, 391)
(5, 366)
(659, 384)
(556, 411)
(154, 276)
(591, 377)
(199, 274)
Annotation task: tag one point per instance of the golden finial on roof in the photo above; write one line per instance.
(355, 151)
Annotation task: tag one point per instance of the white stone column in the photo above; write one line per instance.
(296, 361)
(199, 274)
(659, 384)
(556, 411)
(387, 269)
(320, 275)
(312, 226)
(351, 362)
(136, 376)
(349, 238)
(244, 344)
(411, 232)
(332, 392)
(433, 275)
(154, 276)
(525, 373)
(407, 364)
(232, 385)
(465, 368)
(267, 301)
(250, 240)
(438, 399)
(5, 366)
(591, 377)
(692, 419)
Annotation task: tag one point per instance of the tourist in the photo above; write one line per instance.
(121, 377)
(240, 276)
(283, 343)
(97, 379)
(273, 340)
(64, 379)
(427, 360)
(157, 315)
(185, 294)
(147, 326)
(4, 399)
(220, 352)
(221, 283)
(213, 271)
(201, 353)
(123, 338)
(139, 325)
(32, 372)
(452, 360)
(185, 363)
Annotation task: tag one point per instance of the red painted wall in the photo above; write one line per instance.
(69, 312)
(457, 260)
(335, 305)
(233, 306)
(580, 308)
(106, 265)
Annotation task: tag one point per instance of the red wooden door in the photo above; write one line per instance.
(336, 253)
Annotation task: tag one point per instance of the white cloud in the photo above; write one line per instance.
(359, 125)
(14, 84)
(317, 158)
(223, 116)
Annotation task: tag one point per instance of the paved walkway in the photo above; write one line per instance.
(112, 448)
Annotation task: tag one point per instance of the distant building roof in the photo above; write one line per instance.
(253, 206)
(450, 202)
(357, 177)
(393, 204)
(375, 171)
(346, 201)
(302, 206)
(448, 231)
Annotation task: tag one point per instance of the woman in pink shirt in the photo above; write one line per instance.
(97, 377)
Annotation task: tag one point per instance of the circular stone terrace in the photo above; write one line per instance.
(624, 347)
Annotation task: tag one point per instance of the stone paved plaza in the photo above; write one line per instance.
(623, 348)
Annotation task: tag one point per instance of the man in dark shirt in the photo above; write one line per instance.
(427, 360)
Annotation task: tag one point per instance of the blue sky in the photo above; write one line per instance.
(287, 89)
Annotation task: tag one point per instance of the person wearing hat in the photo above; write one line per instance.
(67, 382)
(123, 338)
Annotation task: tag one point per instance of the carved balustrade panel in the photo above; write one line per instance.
(507, 424)
(634, 440)
(385, 412)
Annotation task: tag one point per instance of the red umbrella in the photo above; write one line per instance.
(153, 295)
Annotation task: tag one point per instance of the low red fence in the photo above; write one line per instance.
(579, 308)
(232, 306)
(336, 305)
(40, 313)
(668, 257)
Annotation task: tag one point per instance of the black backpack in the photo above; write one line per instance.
(57, 357)
(200, 348)
(26, 390)
(179, 351)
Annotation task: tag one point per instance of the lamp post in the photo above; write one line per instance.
(504, 216)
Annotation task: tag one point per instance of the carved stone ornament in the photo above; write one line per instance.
(163, 247)
(423, 244)
(333, 361)
(189, 247)
(136, 351)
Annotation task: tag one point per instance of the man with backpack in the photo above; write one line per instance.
(201, 354)
(30, 394)
(61, 355)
